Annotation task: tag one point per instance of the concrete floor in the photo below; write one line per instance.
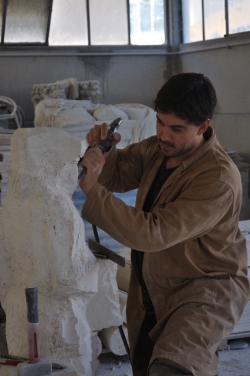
(232, 362)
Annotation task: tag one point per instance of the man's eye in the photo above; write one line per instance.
(177, 129)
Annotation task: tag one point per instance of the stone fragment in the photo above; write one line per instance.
(112, 340)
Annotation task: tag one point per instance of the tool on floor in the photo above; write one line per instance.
(35, 366)
(10, 362)
(21, 359)
(104, 145)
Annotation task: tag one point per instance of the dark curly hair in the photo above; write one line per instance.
(190, 96)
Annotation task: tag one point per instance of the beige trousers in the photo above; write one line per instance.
(198, 317)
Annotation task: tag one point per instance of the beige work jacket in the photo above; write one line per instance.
(192, 228)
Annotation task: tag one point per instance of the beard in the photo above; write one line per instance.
(169, 149)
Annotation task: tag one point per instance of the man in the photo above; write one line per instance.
(189, 282)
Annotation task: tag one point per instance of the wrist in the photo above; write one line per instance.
(85, 187)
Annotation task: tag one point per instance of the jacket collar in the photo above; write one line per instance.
(211, 140)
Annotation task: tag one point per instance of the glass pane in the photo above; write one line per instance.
(108, 22)
(26, 21)
(69, 23)
(147, 22)
(1, 15)
(215, 26)
(239, 16)
(192, 20)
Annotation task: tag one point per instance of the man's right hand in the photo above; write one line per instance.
(99, 132)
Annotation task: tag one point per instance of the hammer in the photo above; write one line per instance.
(35, 366)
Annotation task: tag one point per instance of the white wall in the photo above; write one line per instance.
(228, 69)
(122, 78)
(138, 78)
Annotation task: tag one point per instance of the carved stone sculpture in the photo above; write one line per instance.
(43, 244)
(89, 90)
(43, 91)
(66, 89)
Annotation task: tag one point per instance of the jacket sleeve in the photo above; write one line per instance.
(124, 168)
(197, 210)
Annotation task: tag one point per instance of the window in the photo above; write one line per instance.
(147, 22)
(210, 19)
(239, 16)
(26, 21)
(112, 27)
(68, 23)
(82, 22)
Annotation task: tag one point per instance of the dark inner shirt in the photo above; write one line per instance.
(136, 256)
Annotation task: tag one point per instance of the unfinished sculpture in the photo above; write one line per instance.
(66, 89)
(43, 244)
(42, 91)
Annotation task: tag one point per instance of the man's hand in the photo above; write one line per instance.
(94, 161)
(99, 132)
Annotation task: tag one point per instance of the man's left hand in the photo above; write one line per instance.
(94, 161)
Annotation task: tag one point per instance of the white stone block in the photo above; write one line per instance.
(43, 244)
(106, 301)
(112, 340)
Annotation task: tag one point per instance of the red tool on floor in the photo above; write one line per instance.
(10, 362)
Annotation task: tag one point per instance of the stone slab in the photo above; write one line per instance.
(44, 367)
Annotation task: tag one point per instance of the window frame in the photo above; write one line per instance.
(227, 36)
(173, 36)
(233, 40)
(89, 47)
(4, 44)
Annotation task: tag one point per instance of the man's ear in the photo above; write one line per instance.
(203, 127)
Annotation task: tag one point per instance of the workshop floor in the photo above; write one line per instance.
(232, 363)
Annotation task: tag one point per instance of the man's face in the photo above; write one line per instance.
(176, 137)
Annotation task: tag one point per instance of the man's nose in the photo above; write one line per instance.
(166, 134)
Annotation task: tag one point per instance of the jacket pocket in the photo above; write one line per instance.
(202, 289)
